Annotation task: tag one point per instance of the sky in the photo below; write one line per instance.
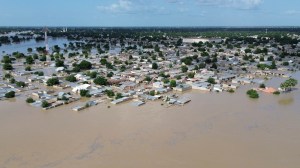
(116, 13)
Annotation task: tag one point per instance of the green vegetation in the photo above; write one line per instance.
(100, 81)
(119, 96)
(83, 65)
(184, 69)
(263, 66)
(59, 63)
(92, 74)
(71, 78)
(285, 63)
(110, 93)
(20, 84)
(10, 94)
(29, 60)
(211, 81)
(45, 104)
(173, 83)
(52, 82)
(152, 93)
(231, 91)
(39, 73)
(30, 100)
(276, 93)
(7, 66)
(84, 93)
(154, 65)
(28, 68)
(191, 75)
(262, 86)
(253, 94)
(288, 84)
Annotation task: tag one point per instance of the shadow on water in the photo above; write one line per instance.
(286, 101)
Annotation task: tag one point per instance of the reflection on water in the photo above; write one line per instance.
(286, 101)
(23, 46)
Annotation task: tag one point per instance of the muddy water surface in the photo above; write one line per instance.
(213, 131)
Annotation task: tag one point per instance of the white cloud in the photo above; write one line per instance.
(134, 7)
(240, 4)
(122, 6)
(292, 12)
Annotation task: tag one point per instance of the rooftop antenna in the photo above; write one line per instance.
(46, 30)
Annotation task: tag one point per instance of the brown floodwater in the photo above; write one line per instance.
(213, 131)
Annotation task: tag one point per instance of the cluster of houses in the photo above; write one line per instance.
(232, 71)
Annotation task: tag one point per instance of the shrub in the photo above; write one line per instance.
(253, 94)
(173, 83)
(7, 66)
(20, 84)
(100, 81)
(262, 86)
(119, 96)
(10, 94)
(110, 93)
(152, 93)
(30, 100)
(52, 81)
(71, 78)
(211, 81)
(231, 91)
(276, 93)
(28, 68)
(84, 93)
(45, 104)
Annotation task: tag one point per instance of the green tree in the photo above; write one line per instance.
(30, 100)
(173, 83)
(59, 63)
(10, 94)
(29, 50)
(152, 93)
(253, 94)
(214, 66)
(154, 65)
(28, 68)
(100, 81)
(85, 65)
(285, 63)
(92, 74)
(119, 96)
(7, 66)
(103, 61)
(21, 84)
(52, 82)
(12, 80)
(43, 58)
(262, 86)
(29, 60)
(273, 66)
(211, 81)
(71, 78)
(110, 93)
(84, 93)
(6, 60)
(45, 104)
(288, 84)
(191, 75)
(184, 68)
(110, 74)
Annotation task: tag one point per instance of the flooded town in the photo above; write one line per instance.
(150, 67)
(101, 97)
